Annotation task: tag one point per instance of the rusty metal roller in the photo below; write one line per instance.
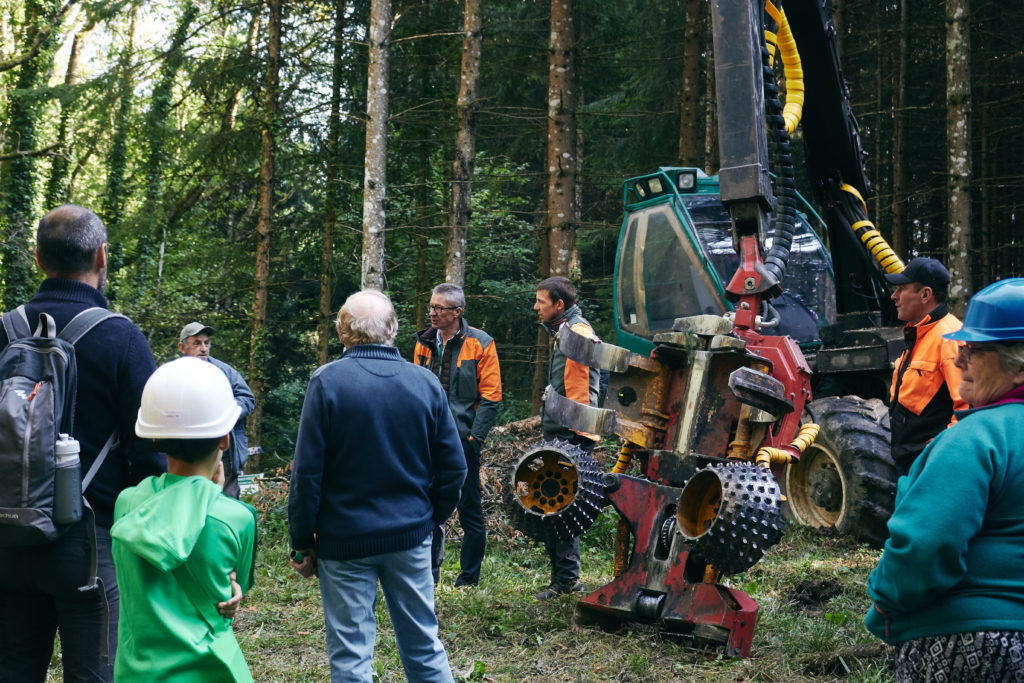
(556, 488)
(731, 515)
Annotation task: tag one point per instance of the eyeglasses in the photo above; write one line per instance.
(438, 309)
(969, 350)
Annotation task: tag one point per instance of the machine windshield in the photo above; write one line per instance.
(665, 273)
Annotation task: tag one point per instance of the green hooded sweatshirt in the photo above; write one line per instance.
(170, 531)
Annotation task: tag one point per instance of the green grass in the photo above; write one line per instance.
(811, 591)
(810, 588)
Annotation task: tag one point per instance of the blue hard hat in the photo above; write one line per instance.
(996, 313)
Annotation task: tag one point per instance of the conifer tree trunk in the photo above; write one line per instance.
(259, 352)
(958, 140)
(325, 330)
(900, 151)
(113, 204)
(375, 165)
(19, 176)
(710, 101)
(58, 190)
(561, 160)
(465, 146)
(691, 117)
(228, 120)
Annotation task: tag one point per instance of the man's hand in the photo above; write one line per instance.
(228, 608)
(307, 567)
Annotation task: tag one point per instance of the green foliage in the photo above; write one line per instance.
(162, 136)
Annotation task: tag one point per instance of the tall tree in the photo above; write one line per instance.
(158, 128)
(710, 103)
(375, 165)
(259, 351)
(560, 211)
(560, 157)
(465, 145)
(41, 16)
(958, 141)
(227, 122)
(690, 144)
(333, 185)
(58, 189)
(901, 123)
(117, 160)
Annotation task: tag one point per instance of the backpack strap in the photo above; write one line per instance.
(16, 324)
(82, 323)
(77, 328)
(46, 327)
(112, 442)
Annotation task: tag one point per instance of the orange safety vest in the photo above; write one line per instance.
(925, 387)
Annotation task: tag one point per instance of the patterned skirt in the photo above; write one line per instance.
(984, 656)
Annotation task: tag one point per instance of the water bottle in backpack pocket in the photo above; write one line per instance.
(67, 482)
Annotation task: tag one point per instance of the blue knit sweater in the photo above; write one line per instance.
(954, 561)
(114, 362)
(378, 461)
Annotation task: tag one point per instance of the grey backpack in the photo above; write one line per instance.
(38, 381)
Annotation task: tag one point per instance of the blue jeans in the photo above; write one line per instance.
(39, 595)
(349, 592)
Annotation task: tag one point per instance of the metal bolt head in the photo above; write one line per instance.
(749, 283)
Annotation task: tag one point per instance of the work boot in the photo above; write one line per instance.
(556, 589)
(460, 581)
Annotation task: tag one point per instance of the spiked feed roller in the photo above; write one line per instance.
(556, 489)
(731, 515)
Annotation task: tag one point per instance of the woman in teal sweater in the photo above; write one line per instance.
(949, 589)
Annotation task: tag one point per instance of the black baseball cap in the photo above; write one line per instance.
(923, 270)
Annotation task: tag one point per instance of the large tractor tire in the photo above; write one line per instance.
(846, 480)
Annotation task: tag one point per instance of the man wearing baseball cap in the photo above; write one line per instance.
(925, 382)
(195, 341)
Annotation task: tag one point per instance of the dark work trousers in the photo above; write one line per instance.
(471, 518)
(231, 473)
(565, 555)
(39, 596)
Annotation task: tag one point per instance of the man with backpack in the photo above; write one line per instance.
(51, 585)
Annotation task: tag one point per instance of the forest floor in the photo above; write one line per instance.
(811, 590)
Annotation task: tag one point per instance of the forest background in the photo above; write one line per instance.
(226, 146)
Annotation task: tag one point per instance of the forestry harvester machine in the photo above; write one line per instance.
(731, 315)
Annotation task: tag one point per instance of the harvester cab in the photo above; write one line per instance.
(732, 316)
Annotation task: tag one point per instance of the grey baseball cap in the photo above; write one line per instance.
(192, 329)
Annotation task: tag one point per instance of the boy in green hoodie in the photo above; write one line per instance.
(177, 539)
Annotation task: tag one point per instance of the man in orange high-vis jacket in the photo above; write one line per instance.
(465, 359)
(925, 382)
(556, 305)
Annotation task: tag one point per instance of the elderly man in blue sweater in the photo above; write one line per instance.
(378, 464)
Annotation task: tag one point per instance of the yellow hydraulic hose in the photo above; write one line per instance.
(625, 456)
(792, 67)
(768, 456)
(872, 239)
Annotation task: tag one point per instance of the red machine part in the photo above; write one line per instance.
(663, 581)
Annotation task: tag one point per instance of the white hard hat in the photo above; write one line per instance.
(187, 398)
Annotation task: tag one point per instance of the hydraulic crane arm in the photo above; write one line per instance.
(835, 156)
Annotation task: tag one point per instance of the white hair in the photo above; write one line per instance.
(367, 317)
